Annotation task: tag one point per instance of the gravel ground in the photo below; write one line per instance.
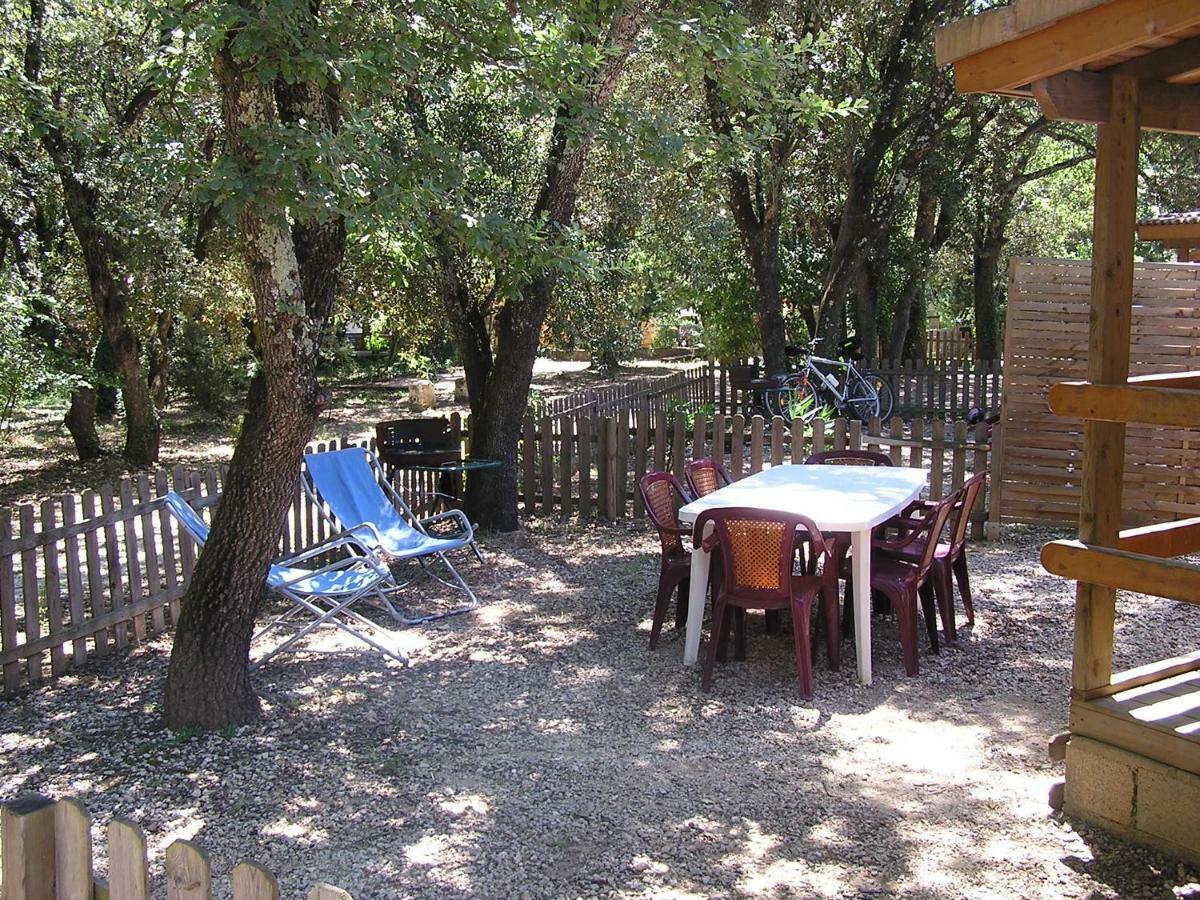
(536, 748)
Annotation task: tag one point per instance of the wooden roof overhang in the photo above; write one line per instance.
(1179, 231)
(1064, 53)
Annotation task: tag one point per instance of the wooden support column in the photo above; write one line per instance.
(1114, 222)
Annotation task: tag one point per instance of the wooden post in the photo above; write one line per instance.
(188, 875)
(566, 436)
(128, 870)
(27, 847)
(1113, 226)
(250, 881)
(547, 435)
(529, 461)
(8, 606)
(756, 444)
(72, 850)
(610, 467)
(995, 481)
(584, 427)
(603, 471)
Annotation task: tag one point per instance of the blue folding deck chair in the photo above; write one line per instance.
(328, 593)
(351, 488)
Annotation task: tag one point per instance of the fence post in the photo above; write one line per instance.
(27, 832)
(584, 428)
(603, 472)
(529, 461)
(995, 481)
(610, 466)
(547, 466)
(72, 849)
(937, 460)
(679, 444)
(756, 444)
(188, 874)
(566, 437)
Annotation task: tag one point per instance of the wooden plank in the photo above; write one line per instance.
(547, 460)
(188, 875)
(584, 424)
(116, 568)
(128, 867)
(1151, 673)
(699, 436)
(324, 891)
(8, 608)
(777, 429)
(53, 588)
(1121, 570)
(30, 592)
(529, 460)
(250, 881)
(75, 592)
(641, 446)
(72, 851)
(679, 444)
(1110, 727)
(27, 848)
(612, 506)
(1163, 539)
(756, 444)
(621, 464)
(937, 459)
(566, 466)
(96, 572)
(737, 446)
(1116, 403)
(603, 468)
(154, 579)
(718, 439)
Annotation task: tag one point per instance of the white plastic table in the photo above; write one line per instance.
(836, 498)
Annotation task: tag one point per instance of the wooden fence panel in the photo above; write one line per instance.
(1046, 342)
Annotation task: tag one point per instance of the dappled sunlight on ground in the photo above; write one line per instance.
(538, 746)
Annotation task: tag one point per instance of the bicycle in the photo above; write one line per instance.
(859, 393)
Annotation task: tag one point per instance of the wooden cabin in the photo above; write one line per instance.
(1177, 231)
(1133, 746)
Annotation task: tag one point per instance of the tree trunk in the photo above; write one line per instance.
(81, 422)
(293, 273)
(866, 308)
(498, 383)
(984, 270)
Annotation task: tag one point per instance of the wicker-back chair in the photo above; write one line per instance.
(757, 549)
(662, 495)
(849, 458)
(705, 476)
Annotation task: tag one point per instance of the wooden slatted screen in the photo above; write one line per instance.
(1046, 342)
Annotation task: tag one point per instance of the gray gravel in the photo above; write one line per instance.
(536, 748)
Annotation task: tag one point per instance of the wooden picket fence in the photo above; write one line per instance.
(48, 855)
(944, 344)
(84, 575)
(946, 389)
(692, 386)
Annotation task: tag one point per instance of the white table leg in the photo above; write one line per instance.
(860, 547)
(696, 591)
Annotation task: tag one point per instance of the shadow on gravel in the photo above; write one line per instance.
(538, 748)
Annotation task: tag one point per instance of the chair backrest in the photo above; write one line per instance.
(934, 522)
(757, 549)
(662, 494)
(967, 495)
(348, 481)
(705, 476)
(849, 458)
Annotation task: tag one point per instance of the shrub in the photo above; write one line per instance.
(212, 365)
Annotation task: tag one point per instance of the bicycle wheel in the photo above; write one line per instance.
(887, 400)
(798, 399)
(862, 400)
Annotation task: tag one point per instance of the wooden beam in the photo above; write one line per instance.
(1119, 403)
(1188, 232)
(1122, 571)
(1169, 379)
(1119, 730)
(1150, 673)
(1034, 14)
(1085, 97)
(1181, 60)
(1114, 217)
(1165, 540)
(1071, 43)
(966, 36)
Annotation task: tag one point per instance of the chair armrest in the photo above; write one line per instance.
(344, 540)
(450, 514)
(915, 530)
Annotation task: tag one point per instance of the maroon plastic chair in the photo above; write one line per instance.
(950, 557)
(662, 495)
(841, 539)
(705, 476)
(757, 551)
(904, 581)
(849, 458)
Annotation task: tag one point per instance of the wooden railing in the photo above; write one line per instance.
(83, 575)
(48, 855)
